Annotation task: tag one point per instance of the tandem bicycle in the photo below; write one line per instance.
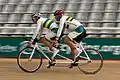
(86, 63)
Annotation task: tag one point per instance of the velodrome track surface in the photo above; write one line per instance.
(9, 70)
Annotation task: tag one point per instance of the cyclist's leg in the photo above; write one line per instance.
(47, 41)
(78, 40)
(73, 47)
(77, 35)
(45, 38)
(71, 44)
(49, 45)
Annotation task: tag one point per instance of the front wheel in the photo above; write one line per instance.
(90, 65)
(27, 64)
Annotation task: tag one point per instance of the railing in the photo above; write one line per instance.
(105, 2)
(88, 28)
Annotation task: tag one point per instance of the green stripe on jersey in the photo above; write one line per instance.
(47, 23)
(69, 19)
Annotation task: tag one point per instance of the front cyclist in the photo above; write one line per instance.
(75, 29)
(45, 29)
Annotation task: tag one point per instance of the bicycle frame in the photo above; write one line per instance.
(39, 48)
(81, 47)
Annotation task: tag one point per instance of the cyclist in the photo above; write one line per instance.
(45, 30)
(76, 32)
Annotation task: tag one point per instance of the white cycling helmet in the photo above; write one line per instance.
(35, 17)
(37, 14)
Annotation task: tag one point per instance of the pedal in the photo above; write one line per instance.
(73, 65)
(48, 66)
(51, 64)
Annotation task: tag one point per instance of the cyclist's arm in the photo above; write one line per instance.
(37, 30)
(60, 29)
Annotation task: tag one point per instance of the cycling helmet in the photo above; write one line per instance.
(36, 15)
(58, 12)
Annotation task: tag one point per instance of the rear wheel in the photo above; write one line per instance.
(27, 64)
(93, 65)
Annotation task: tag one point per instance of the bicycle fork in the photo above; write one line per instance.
(32, 52)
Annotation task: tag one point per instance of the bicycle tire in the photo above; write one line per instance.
(98, 55)
(25, 56)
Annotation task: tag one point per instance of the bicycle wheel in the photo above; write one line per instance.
(26, 64)
(93, 65)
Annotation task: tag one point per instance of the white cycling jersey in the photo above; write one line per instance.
(68, 23)
(44, 26)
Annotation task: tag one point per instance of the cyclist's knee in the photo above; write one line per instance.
(47, 43)
(67, 39)
(69, 42)
(42, 39)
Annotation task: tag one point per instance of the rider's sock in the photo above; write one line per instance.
(55, 51)
(78, 52)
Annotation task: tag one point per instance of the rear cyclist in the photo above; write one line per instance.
(76, 32)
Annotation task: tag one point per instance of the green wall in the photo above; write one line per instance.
(109, 47)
